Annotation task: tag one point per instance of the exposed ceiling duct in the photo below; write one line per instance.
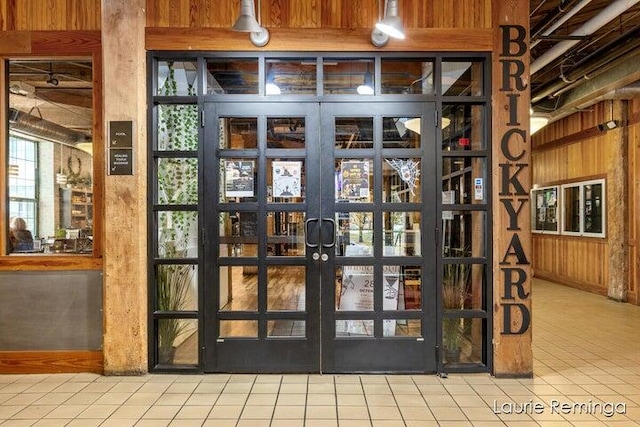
(38, 127)
(607, 15)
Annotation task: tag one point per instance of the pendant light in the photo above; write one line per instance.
(389, 26)
(247, 23)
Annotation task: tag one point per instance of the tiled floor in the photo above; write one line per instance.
(586, 349)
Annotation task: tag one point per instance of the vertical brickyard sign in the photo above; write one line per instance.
(512, 154)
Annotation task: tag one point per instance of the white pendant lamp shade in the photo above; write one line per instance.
(366, 88)
(415, 123)
(248, 23)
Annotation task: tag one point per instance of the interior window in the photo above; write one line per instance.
(50, 157)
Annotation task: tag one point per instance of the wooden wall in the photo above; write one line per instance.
(573, 149)
(50, 15)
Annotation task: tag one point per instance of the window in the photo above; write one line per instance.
(544, 210)
(584, 208)
(49, 156)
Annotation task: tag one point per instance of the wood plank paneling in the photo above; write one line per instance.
(49, 362)
(51, 15)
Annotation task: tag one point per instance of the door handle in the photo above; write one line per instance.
(333, 233)
(306, 232)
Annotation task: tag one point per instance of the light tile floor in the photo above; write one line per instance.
(586, 352)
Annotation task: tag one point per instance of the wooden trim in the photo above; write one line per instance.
(99, 168)
(566, 281)
(15, 42)
(569, 139)
(47, 362)
(49, 262)
(317, 40)
(50, 43)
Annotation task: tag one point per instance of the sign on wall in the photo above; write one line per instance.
(120, 156)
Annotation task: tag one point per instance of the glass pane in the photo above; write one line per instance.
(401, 132)
(401, 233)
(238, 133)
(401, 180)
(239, 288)
(463, 127)
(238, 329)
(353, 132)
(572, 209)
(354, 234)
(286, 132)
(177, 181)
(411, 287)
(291, 76)
(407, 76)
(545, 212)
(463, 234)
(177, 78)
(392, 289)
(354, 180)
(354, 288)
(354, 328)
(349, 76)
(177, 234)
(593, 208)
(286, 288)
(462, 340)
(177, 127)
(401, 328)
(177, 287)
(238, 180)
(463, 286)
(286, 328)
(177, 342)
(286, 180)
(462, 78)
(285, 234)
(238, 234)
(464, 180)
(232, 76)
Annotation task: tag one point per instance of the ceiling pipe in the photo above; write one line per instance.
(585, 68)
(35, 126)
(555, 18)
(594, 24)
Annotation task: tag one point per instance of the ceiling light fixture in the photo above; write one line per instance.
(389, 26)
(52, 80)
(247, 23)
(415, 124)
(366, 88)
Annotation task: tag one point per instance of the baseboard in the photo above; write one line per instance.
(48, 362)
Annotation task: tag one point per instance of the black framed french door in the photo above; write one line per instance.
(319, 224)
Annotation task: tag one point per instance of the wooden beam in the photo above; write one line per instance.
(319, 40)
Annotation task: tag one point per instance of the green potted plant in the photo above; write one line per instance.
(177, 185)
(454, 297)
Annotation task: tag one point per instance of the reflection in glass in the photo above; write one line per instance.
(463, 234)
(407, 76)
(285, 234)
(353, 132)
(354, 180)
(402, 288)
(177, 342)
(283, 132)
(238, 288)
(463, 127)
(177, 287)
(286, 180)
(572, 209)
(462, 78)
(593, 208)
(238, 329)
(232, 76)
(177, 234)
(354, 288)
(401, 180)
(238, 133)
(401, 328)
(463, 286)
(462, 340)
(401, 233)
(177, 181)
(237, 234)
(349, 76)
(238, 180)
(177, 127)
(291, 76)
(177, 78)
(354, 328)
(354, 234)
(286, 288)
(401, 132)
(286, 328)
